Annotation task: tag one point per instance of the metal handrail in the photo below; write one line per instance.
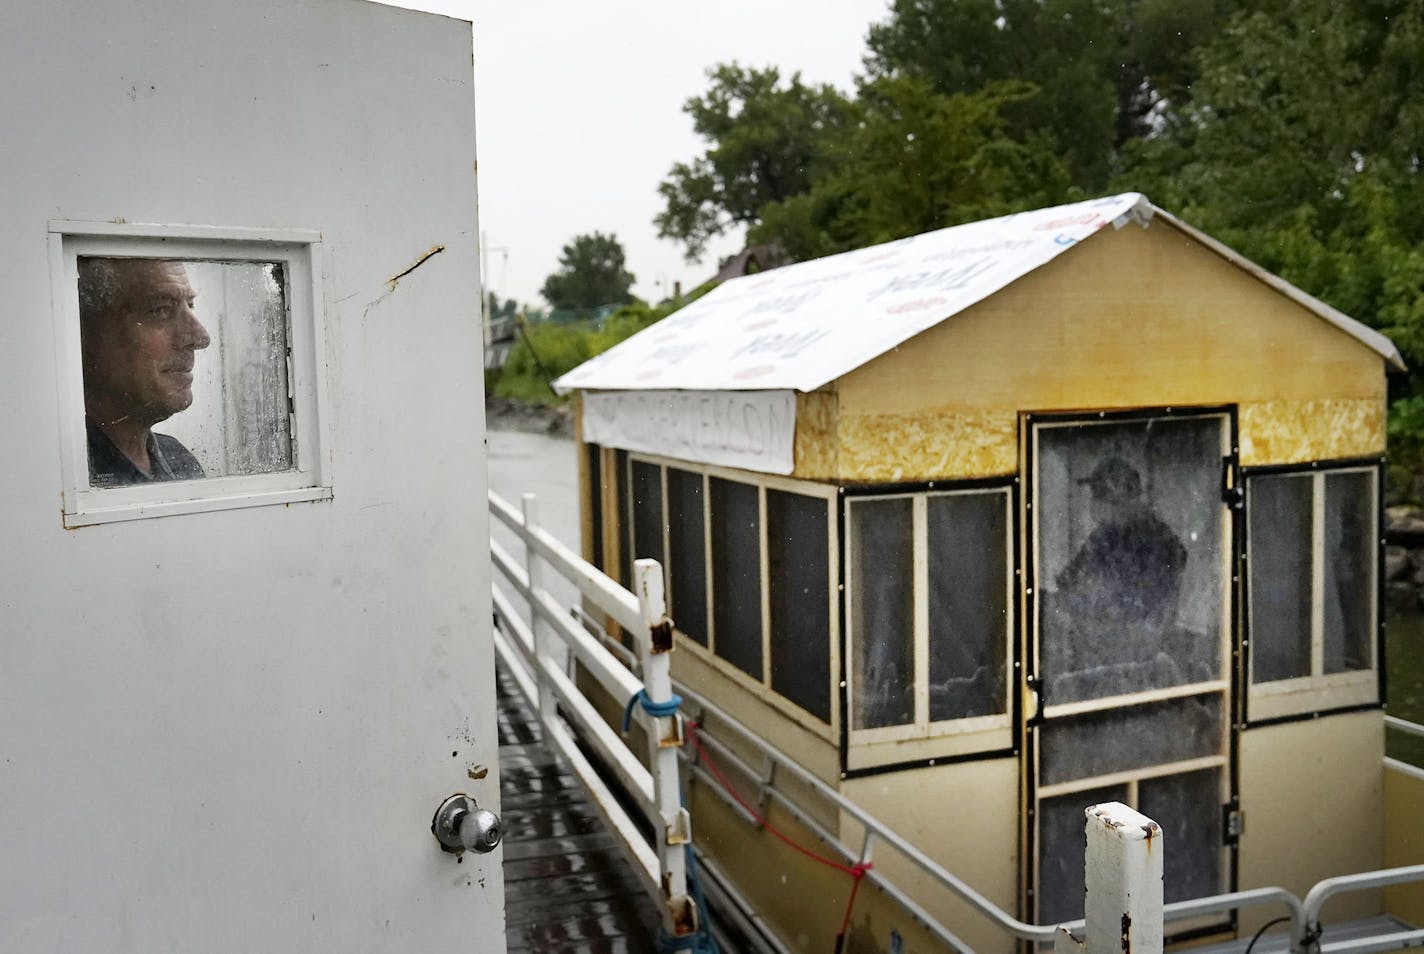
(1177, 910)
(1404, 725)
(1305, 936)
(656, 787)
(1021, 929)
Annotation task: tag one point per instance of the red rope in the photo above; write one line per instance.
(856, 871)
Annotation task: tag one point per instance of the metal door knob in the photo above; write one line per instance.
(461, 825)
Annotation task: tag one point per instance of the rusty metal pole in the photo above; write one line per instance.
(665, 736)
(1123, 870)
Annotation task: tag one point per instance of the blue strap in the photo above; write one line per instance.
(658, 710)
(698, 943)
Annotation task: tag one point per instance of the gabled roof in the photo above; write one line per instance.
(805, 325)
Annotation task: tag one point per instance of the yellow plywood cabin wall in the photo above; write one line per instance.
(1134, 317)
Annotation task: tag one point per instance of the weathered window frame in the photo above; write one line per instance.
(762, 686)
(1319, 692)
(299, 251)
(923, 740)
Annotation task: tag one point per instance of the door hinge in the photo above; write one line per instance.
(1232, 493)
(1037, 699)
(1233, 823)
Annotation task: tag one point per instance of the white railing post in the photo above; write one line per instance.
(665, 736)
(542, 637)
(1123, 869)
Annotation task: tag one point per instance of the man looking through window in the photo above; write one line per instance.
(138, 337)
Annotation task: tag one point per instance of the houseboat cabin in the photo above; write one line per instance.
(993, 523)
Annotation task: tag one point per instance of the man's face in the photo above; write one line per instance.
(138, 355)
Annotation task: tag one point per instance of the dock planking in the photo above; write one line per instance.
(568, 885)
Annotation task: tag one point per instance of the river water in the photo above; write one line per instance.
(546, 467)
(521, 463)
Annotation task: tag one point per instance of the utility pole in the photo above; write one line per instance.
(485, 316)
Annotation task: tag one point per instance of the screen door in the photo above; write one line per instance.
(1131, 592)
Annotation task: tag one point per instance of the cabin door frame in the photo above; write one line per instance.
(1130, 655)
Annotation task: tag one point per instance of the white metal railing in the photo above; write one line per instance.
(532, 656)
(1404, 725)
(1413, 768)
(875, 830)
(542, 679)
(1304, 917)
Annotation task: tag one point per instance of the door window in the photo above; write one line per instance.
(1130, 550)
(189, 357)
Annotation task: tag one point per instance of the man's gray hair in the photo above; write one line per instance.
(100, 281)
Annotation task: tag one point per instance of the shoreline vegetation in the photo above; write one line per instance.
(530, 417)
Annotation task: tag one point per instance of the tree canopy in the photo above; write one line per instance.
(1293, 130)
(1302, 149)
(591, 274)
(769, 142)
(1106, 70)
(916, 161)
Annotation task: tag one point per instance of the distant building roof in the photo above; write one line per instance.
(805, 325)
(751, 260)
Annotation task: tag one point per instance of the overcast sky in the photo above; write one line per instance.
(579, 114)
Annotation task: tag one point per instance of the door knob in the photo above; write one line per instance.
(461, 825)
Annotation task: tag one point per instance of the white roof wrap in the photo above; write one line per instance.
(804, 325)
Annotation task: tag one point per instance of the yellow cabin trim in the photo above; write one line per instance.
(1133, 318)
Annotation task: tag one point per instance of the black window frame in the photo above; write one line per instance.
(870, 750)
(818, 711)
(1318, 693)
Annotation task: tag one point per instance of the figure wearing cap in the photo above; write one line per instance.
(1127, 574)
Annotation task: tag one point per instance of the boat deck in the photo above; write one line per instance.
(568, 885)
(1279, 941)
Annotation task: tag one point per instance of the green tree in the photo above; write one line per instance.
(546, 350)
(767, 141)
(918, 160)
(497, 309)
(1291, 129)
(1108, 71)
(591, 274)
(1303, 147)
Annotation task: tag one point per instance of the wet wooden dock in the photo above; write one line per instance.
(568, 885)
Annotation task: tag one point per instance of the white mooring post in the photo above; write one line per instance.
(542, 638)
(665, 735)
(1123, 870)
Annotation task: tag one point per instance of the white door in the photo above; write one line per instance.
(230, 704)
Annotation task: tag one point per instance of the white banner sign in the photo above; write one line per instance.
(753, 430)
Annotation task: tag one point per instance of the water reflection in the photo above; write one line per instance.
(1404, 666)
